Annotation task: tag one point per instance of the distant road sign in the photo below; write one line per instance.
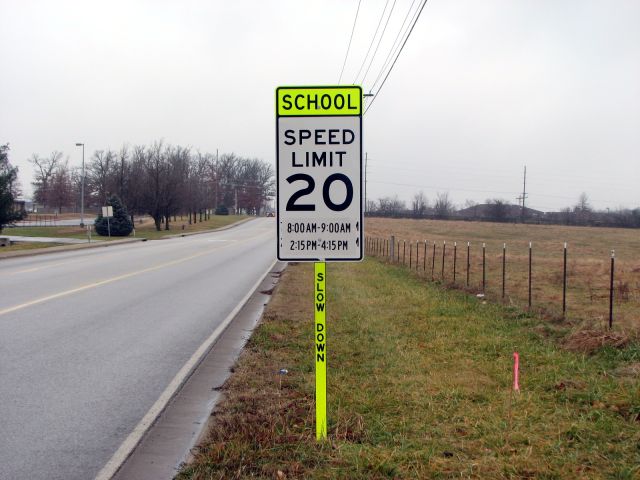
(107, 211)
(319, 173)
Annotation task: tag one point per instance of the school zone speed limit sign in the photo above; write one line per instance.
(319, 173)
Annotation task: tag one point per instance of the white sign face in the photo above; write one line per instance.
(107, 211)
(319, 165)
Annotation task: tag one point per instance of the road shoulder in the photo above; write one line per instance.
(167, 445)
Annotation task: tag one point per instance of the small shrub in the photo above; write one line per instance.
(222, 210)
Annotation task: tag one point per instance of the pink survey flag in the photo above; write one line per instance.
(516, 371)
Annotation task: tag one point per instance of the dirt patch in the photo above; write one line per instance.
(588, 341)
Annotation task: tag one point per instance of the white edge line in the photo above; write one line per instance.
(134, 438)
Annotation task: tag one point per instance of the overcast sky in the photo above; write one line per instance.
(480, 90)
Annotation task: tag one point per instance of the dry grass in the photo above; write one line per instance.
(589, 251)
(418, 387)
(27, 246)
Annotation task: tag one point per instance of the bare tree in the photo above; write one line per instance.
(44, 171)
(61, 191)
(583, 204)
(443, 207)
(391, 206)
(102, 173)
(582, 210)
(419, 205)
(372, 207)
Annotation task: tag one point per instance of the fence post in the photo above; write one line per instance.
(433, 260)
(424, 260)
(398, 251)
(484, 269)
(417, 254)
(392, 245)
(564, 282)
(404, 252)
(613, 263)
(410, 256)
(468, 261)
(444, 249)
(530, 279)
(504, 267)
(455, 256)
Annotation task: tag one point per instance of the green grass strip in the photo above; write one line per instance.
(419, 386)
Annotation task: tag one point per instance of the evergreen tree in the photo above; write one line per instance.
(8, 189)
(120, 224)
(222, 210)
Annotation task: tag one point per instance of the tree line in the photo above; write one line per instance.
(500, 210)
(159, 180)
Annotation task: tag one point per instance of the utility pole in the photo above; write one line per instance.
(524, 195)
(82, 187)
(217, 181)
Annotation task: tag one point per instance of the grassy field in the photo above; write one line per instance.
(419, 386)
(144, 229)
(589, 253)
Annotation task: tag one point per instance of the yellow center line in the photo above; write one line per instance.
(118, 278)
(42, 267)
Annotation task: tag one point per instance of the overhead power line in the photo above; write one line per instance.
(397, 56)
(350, 39)
(379, 41)
(371, 44)
(396, 43)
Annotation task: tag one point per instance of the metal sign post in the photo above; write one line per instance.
(319, 194)
(107, 212)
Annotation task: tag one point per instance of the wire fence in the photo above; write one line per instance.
(39, 220)
(547, 281)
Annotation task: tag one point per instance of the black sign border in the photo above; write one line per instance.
(361, 236)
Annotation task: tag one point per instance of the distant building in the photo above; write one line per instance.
(499, 212)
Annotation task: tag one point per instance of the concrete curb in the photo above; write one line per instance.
(227, 227)
(65, 248)
(104, 243)
(163, 439)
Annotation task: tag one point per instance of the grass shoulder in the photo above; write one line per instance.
(419, 386)
(15, 247)
(146, 229)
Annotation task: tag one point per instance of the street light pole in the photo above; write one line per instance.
(82, 188)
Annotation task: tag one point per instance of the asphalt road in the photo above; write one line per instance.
(90, 339)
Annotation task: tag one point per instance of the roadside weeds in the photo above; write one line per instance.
(419, 386)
